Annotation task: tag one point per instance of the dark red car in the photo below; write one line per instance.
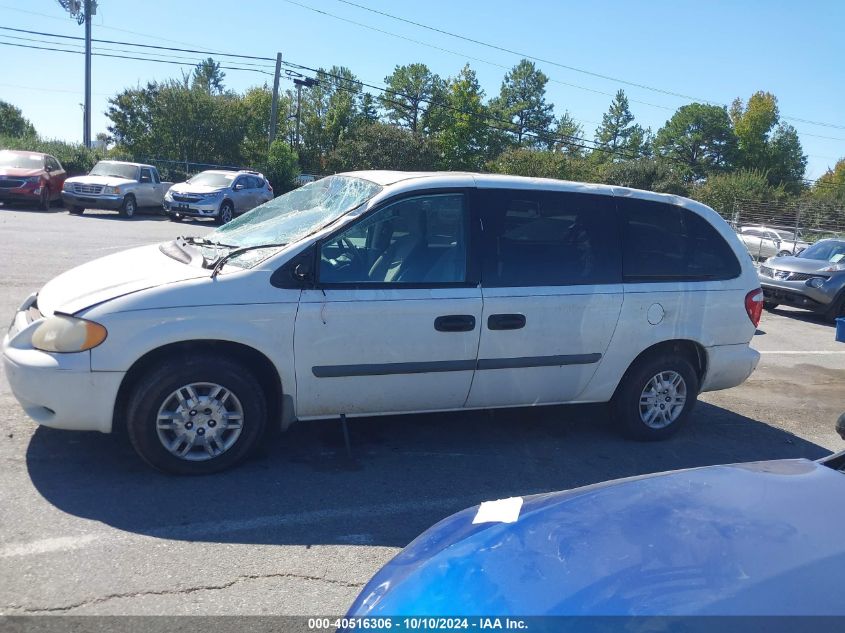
(30, 177)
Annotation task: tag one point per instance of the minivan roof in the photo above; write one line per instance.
(387, 178)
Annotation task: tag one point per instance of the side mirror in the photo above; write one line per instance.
(302, 271)
(238, 187)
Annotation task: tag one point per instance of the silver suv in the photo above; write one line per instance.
(814, 279)
(217, 194)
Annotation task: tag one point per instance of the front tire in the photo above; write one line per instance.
(655, 397)
(784, 253)
(44, 199)
(226, 213)
(196, 417)
(129, 206)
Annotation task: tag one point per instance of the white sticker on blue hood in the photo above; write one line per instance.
(499, 511)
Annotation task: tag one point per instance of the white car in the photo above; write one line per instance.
(763, 242)
(389, 292)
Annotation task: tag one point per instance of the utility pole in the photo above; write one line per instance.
(82, 10)
(90, 6)
(274, 107)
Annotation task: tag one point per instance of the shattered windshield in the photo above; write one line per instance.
(298, 213)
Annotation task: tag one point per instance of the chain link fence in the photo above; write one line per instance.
(807, 220)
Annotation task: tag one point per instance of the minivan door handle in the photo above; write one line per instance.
(505, 321)
(455, 323)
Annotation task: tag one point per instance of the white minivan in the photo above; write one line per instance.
(379, 292)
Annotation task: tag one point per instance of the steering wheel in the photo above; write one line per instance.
(348, 257)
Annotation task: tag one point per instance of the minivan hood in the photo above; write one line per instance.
(108, 181)
(111, 277)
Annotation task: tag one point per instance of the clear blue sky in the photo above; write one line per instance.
(714, 50)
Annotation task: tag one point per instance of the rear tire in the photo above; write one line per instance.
(231, 427)
(655, 397)
(784, 253)
(127, 210)
(76, 210)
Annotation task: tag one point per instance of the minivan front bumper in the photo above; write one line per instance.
(57, 390)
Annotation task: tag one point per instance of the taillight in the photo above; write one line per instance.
(754, 305)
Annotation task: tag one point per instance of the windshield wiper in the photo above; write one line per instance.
(219, 264)
(201, 241)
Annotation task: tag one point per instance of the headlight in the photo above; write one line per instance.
(168, 195)
(63, 334)
(212, 196)
(833, 268)
(109, 190)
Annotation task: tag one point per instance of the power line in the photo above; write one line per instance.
(463, 55)
(141, 59)
(543, 136)
(558, 64)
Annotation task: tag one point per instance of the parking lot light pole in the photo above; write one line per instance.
(307, 82)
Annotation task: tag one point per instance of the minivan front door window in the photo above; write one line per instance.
(418, 240)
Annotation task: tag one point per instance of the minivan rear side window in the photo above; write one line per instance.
(666, 242)
(548, 238)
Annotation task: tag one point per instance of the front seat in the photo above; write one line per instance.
(396, 258)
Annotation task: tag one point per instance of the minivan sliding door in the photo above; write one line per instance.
(551, 283)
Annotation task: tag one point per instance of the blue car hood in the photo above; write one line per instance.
(762, 538)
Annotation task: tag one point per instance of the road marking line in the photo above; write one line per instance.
(204, 529)
(798, 352)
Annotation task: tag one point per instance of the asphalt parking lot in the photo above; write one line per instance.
(86, 528)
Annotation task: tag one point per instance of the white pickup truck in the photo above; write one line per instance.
(124, 187)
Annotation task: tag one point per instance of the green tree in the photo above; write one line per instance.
(644, 173)
(618, 137)
(569, 136)
(329, 110)
(541, 164)
(462, 138)
(725, 191)
(383, 146)
(13, 123)
(831, 184)
(698, 138)
(171, 121)
(522, 103)
(208, 76)
(254, 117)
(282, 167)
(410, 89)
(767, 145)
